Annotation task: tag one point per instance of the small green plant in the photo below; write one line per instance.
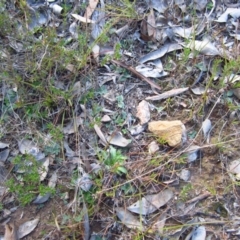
(55, 132)
(209, 6)
(52, 149)
(128, 189)
(120, 101)
(124, 10)
(120, 118)
(185, 56)
(117, 53)
(183, 195)
(27, 184)
(161, 140)
(113, 160)
(212, 189)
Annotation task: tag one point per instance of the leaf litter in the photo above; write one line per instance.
(153, 54)
(150, 203)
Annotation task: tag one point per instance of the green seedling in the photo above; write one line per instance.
(117, 53)
(52, 149)
(55, 132)
(184, 194)
(27, 184)
(120, 102)
(161, 141)
(113, 160)
(124, 10)
(128, 189)
(120, 118)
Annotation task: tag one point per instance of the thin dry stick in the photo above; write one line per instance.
(131, 69)
(198, 198)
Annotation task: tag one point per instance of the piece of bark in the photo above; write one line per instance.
(11, 232)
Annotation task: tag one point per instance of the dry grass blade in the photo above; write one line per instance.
(168, 94)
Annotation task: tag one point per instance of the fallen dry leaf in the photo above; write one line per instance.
(160, 6)
(98, 17)
(170, 47)
(159, 224)
(234, 12)
(206, 127)
(117, 139)
(193, 153)
(149, 71)
(72, 126)
(151, 203)
(106, 119)
(3, 145)
(90, 9)
(199, 233)
(234, 167)
(205, 47)
(128, 219)
(29, 147)
(135, 130)
(11, 232)
(100, 134)
(198, 90)
(96, 52)
(144, 31)
(27, 227)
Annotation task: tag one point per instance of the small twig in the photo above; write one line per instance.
(200, 197)
(131, 69)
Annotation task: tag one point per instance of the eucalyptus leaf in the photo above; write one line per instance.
(117, 139)
(160, 52)
(150, 203)
(27, 228)
(206, 127)
(128, 219)
(3, 145)
(199, 233)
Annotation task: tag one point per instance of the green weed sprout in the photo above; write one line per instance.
(28, 184)
(113, 160)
